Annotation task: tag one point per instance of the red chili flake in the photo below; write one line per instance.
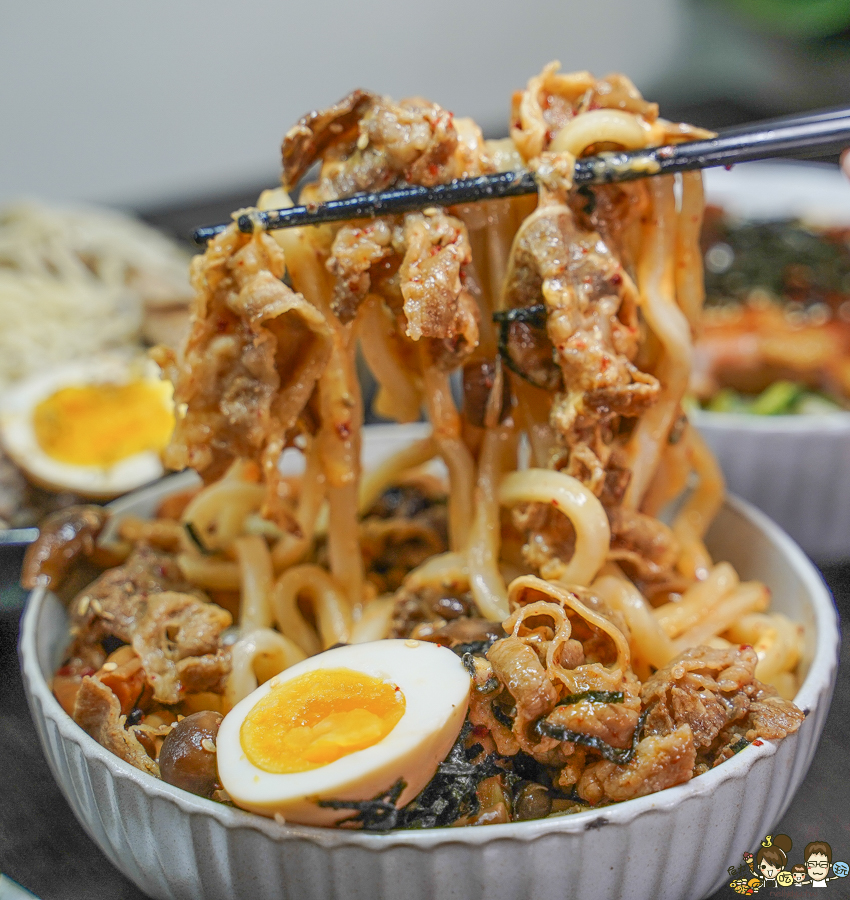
(433, 169)
(480, 730)
(758, 742)
(221, 326)
(344, 430)
(728, 167)
(616, 278)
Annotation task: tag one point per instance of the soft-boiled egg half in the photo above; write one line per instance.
(345, 724)
(96, 427)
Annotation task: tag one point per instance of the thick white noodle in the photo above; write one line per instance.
(258, 655)
(570, 497)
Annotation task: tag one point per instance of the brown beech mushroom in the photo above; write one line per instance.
(187, 758)
(63, 537)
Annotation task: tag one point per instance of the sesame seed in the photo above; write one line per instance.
(83, 608)
(109, 667)
(97, 607)
(208, 745)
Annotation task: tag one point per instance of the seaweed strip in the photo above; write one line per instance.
(587, 194)
(468, 664)
(531, 315)
(490, 685)
(474, 648)
(612, 754)
(451, 793)
(501, 716)
(378, 814)
(594, 696)
(535, 316)
(739, 745)
(196, 539)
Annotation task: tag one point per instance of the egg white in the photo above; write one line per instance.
(436, 687)
(19, 441)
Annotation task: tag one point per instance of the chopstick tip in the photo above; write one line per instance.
(250, 220)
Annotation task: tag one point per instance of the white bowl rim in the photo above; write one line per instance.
(817, 684)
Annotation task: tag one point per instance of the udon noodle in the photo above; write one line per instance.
(548, 342)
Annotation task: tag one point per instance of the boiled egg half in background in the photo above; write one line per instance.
(345, 724)
(95, 427)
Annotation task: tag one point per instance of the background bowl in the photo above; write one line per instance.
(674, 844)
(795, 468)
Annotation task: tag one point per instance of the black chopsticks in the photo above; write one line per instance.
(824, 132)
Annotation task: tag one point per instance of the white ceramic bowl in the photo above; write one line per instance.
(675, 844)
(795, 468)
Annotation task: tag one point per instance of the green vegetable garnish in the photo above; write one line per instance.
(778, 399)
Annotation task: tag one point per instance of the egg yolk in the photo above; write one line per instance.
(319, 717)
(101, 424)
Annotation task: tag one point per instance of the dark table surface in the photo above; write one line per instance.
(43, 848)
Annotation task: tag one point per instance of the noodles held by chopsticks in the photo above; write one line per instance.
(572, 323)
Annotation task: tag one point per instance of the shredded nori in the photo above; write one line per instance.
(534, 317)
(501, 716)
(785, 258)
(739, 745)
(451, 793)
(378, 814)
(594, 696)
(475, 648)
(196, 538)
(491, 684)
(589, 197)
(612, 754)
(531, 315)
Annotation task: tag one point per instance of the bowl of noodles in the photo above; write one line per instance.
(172, 843)
(771, 362)
(473, 657)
